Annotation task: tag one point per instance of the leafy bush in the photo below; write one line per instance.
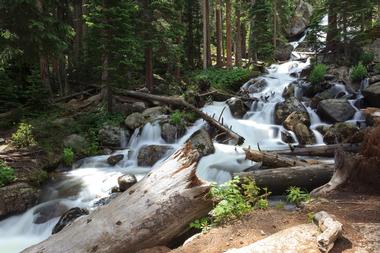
(367, 57)
(296, 195)
(23, 137)
(359, 72)
(318, 73)
(377, 67)
(7, 174)
(176, 118)
(203, 224)
(68, 156)
(231, 79)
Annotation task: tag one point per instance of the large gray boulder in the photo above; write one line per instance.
(69, 217)
(149, 155)
(135, 120)
(17, 198)
(237, 107)
(335, 110)
(171, 133)
(75, 141)
(301, 19)
(341, 133)
(298, 122)
(154, 113)
(49, 211)
(126, 181)
(112, 136)
(290, 105)
(202, 142)
(257, 85)
(372, 95)
(283, 52)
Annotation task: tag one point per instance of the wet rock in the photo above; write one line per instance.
(335, 110)
(135, 120)
(2, 141)
(372, 95)
(301, 19)
(310, 90)
(289, 91)
(284, 109)
(202, 142)
(17, 198)
(283, 52)
(111, 136)
(305, 72)
(48, 212)
(257, 85)
(154, 113)
(106, 200)
(77, 142)
(171, 133)
(149, 155)
(126, 181)
(295, 118)
(287, 137)
(139, 106)
(69, 217)
(115, 159)
(237, 107)
(372, 116)
(298, 122)
(341, 133)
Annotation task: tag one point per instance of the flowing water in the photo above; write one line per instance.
(92, 178)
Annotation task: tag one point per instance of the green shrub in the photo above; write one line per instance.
(68, 156)
(39, 177)
(367, 57)
(359, 72)
(377, 67)
(296, 195)
(176, 118)
(23, 137)
(203, 224)
(318, 73)
(7, 174)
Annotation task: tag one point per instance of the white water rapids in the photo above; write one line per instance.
(94, 178)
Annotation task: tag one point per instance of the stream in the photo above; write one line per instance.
(92, 178)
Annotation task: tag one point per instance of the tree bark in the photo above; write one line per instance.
(206, 34)
(243, 41)
(106, 87)
(78, 28)
(219, 47)
(280, 179)
(150, 213)
(332, 28)
(228, 33)
(237, 35)
(272, 160)
(149, 68)
(323, 151)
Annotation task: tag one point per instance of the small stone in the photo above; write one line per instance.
(115, 159)
(263, 233)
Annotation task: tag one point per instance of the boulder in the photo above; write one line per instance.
(202, 142)
(149, 155)
(301, 19)
(341, 133)
(111, 136)
(68, 217)
(154, 113)
(126, 181)
(171, 133)
(372, 116)
(49, 211)
(289, 91)
(75, 141)
(298, 123)
(310, 90)
(335, 110)
(127, 108)
(283, 52)
(17, 198)
(237, 107)
(372, 95)
(295, 118)
(135, 120)
(115, 159)
(257, 85)
(284, 109)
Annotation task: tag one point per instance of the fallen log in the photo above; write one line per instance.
(280, 179)
(150, 213)
(182, 103)
(322, 151)
(272, 160)
(331, 230)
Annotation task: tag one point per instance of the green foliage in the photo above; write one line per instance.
(296, 195)
(7, 174)
(235, 198)
(223, 79)
(367, 57)
(23, 137)
(68, 156)
(310, 217)
(203, 224)
(39, 177)
(377, 67)
(359, 72)
(176, 118)
(318, 73)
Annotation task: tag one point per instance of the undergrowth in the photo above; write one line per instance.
(7, 174)
(318, 73)
(295, 195)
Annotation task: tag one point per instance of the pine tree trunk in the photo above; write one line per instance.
(206, 34)
(106, 87)
(237, 36)
(218, 16)
(243, 42)
(149, 68)
(78, 28)
(190, 35)
(274, 25)
(332, 29)
(228, 33)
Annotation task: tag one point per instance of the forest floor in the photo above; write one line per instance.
(359, 214)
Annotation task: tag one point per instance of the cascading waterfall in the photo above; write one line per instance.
(93, 178)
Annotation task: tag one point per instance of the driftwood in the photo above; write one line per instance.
(65, 98)
(272, 160)
(150, 213)
(323, 151)
(299, 239)
(182, 103)
(280, 179)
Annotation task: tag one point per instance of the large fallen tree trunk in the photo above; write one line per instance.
(150, 213)
(323, 151)
(182, 103)
(272, 160)
(278, 180)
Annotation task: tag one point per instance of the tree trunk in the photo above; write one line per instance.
(243, 41)
(219, 46)
(280, 179)
(149, 68)
(274, 24)
(206, 34)
(150, 213)
(78, 28)
(106, 87)
(323, 151)
(190, 35)
(237, 35)
(272, 160)
(228, 33)
(332, 28)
